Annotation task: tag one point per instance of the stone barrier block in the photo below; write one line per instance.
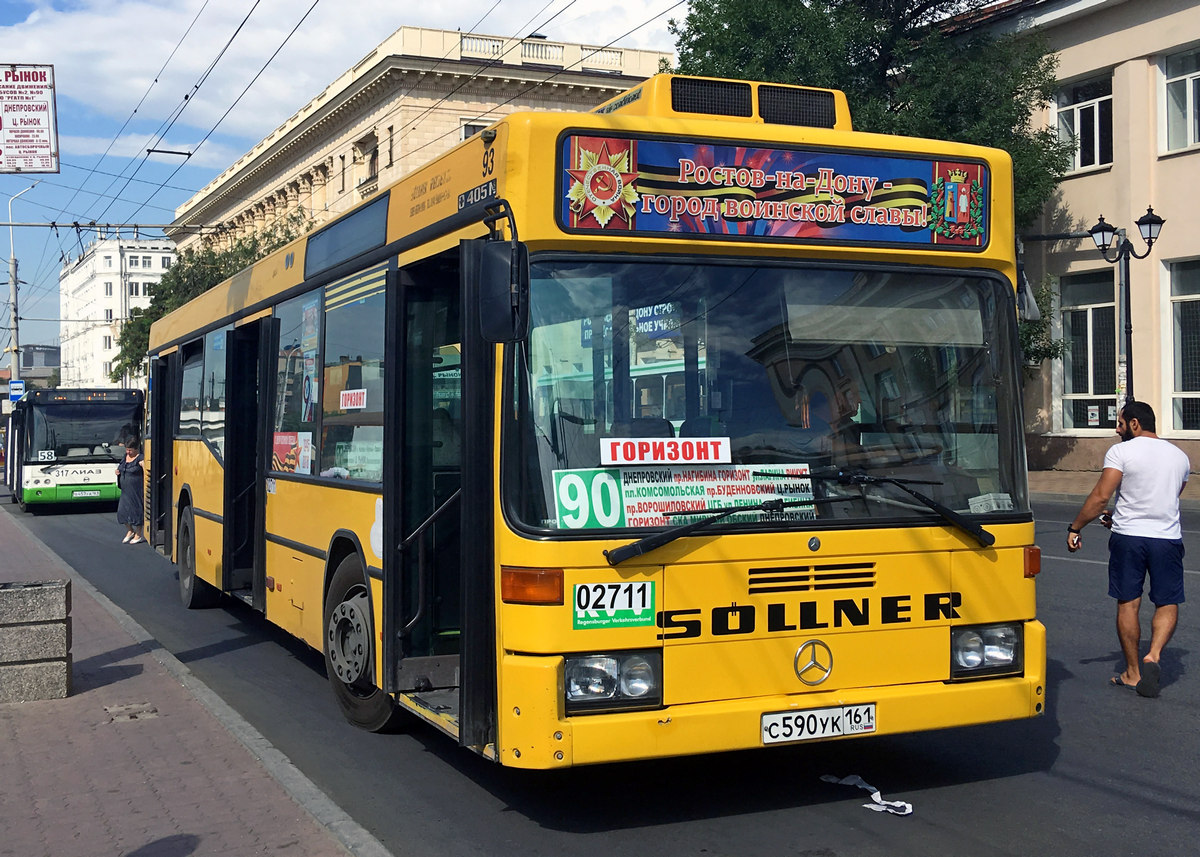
(35, 640)
(41, 601)
(20, 643)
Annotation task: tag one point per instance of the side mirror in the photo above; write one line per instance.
(502, 268)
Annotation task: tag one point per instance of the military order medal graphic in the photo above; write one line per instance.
(603, 186)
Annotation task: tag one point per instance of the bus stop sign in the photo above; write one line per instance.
(16, 389)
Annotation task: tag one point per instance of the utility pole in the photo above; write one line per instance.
(15, 362)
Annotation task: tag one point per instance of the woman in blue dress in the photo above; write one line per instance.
(129, 478)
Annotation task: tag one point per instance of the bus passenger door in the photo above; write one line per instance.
(421, 584)
(164, 386)
(247, 350)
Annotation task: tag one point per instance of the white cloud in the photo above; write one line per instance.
(107, 53)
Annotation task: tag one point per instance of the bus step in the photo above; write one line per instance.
(246, 595)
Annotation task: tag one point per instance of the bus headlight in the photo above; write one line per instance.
(986, 650)
(612, 682)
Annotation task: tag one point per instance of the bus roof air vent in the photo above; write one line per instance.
(736, 100)
(791, 105)
(715, 97)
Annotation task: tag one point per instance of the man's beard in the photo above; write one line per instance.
(1127, 434)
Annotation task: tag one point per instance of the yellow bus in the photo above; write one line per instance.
(688, 424)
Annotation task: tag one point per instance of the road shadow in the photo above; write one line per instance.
(669, 791)
(107, 668)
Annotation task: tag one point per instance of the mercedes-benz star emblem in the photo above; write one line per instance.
(814, 662)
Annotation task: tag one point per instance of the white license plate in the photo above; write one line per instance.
(779, 727)
(85, 493)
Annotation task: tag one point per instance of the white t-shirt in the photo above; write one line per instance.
(1152, 473)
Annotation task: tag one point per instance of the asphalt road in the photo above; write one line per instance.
(1103, 772)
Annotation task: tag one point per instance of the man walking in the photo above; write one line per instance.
(1148, 474)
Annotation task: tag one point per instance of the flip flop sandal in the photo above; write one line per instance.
(1115, 681)
(1148, 686)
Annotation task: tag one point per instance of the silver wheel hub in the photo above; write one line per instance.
(348, 639)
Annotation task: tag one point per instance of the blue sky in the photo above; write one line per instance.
(110, 56)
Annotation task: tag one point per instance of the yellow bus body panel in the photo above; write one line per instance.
(300, 512)
(199, 473)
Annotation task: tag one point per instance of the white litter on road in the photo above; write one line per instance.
(896, 807)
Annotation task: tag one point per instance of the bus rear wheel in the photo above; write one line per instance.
(193, 592)
(350, 652)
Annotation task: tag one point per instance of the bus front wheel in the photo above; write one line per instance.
(193, 592)
(350, 652)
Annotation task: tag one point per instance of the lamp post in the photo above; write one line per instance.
(15, 363)
(1149, 225)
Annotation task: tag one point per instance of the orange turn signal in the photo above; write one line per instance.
(531, 585)
(1033, 561)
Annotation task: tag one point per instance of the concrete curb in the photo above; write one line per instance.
(350, 834)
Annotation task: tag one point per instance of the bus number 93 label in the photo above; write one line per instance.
(614, 605)
(784, 726)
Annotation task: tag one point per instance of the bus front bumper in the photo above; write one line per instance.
(535, 733)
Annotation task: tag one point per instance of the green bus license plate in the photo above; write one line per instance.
(782, 727)
(85, 493)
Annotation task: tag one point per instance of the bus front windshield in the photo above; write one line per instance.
(651, 390)
(82, 431)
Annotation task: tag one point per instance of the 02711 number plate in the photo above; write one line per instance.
(779, 727)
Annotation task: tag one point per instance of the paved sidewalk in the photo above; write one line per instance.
(1073, 486)
(142, 759)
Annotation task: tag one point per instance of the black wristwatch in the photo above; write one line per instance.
(1071, 529)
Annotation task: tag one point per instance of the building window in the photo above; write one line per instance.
(1183, 99)
(1090, 365)
(108, 261)
(389, 151)
(1085, 116)
(133, 290)
(342, 187)
(148, 289)
(108, 315)
(1185, 316)
(166, 262)
(107, 342)
(107, 368)
(108, 290)
(470, 129)
(133, 261)
(145, 261)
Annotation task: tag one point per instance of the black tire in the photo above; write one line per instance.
(195, 593)
(350, 652)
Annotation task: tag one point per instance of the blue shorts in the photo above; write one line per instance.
(1130, 558)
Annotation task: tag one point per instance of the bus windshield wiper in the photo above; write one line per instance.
(860, 478)
(657, 540)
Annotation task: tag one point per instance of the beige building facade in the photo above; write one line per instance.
(409, 100)
(1129, 97)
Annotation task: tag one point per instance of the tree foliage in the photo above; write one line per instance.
(901, 72)
(194, 272)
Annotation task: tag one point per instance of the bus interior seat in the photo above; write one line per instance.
(447, 445)
(702, 426)
(575, 440)
(642, 427)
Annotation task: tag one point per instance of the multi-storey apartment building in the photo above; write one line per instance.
(406, 102)
(1129, 97)
(97, 290)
